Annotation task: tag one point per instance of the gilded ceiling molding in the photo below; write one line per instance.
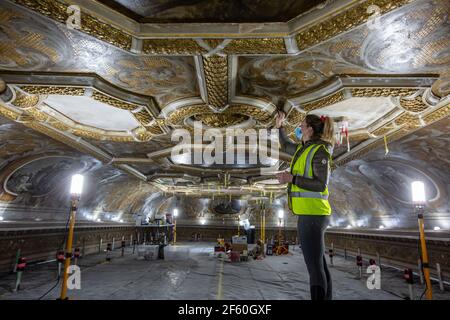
(408, 120)
(220, 120)
(256, 46)
(8, 113)
(89, 24)
(109, 100)
(321, 103)
(383, 92)
(354, 16)
(59, 90)
(71, 83)
(437, 114)
(156, 127)
(172, 47)
(32, 105)
(233, 115)
(260, 115)
(415, 105)
(360, 136)
(144, 116)
(2, 86)
(346, 92)
(216, 76)
(55, 123)
(25, 101)
(176, 117)
(295, 117)
(190, 46)
(75, 128)
(383, 129)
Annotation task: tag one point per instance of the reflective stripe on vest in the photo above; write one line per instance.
(309, 194)
(302, 201)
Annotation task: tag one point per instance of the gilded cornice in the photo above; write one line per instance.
(352, 17)
(216, 76)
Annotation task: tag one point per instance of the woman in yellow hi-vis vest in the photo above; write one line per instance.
(308, 194)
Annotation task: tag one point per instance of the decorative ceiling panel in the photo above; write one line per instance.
(207, 11)
(30, 43)
(330, 58)
(414, 40)
(89, 112)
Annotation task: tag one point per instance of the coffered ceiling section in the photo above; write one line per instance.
(131, 72)
(34, 43)
(179, 11)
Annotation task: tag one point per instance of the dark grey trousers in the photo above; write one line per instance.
(311, 231)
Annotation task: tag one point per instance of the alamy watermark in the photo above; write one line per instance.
(227, 146)
(74, 279)
(374, 280)
(74, 19)
(373, 22)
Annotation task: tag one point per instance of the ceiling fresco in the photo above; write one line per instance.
(421, 45)
(31, 43)
(176, 11)
(376, 186)
(105, 98)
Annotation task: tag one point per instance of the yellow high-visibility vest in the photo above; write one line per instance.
(302, 201)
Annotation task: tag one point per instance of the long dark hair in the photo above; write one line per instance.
(323, 127)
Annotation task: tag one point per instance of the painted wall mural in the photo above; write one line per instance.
(367, 192)
(41, 176)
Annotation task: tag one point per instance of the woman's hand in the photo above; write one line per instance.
(279, 119)
(284, 177)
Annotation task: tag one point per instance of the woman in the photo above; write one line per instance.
(308, 194)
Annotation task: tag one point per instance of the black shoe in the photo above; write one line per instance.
(317, 293)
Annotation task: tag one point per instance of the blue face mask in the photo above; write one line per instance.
(298, 133)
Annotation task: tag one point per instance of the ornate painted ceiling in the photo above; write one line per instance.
(131, 72)
(176, 11)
